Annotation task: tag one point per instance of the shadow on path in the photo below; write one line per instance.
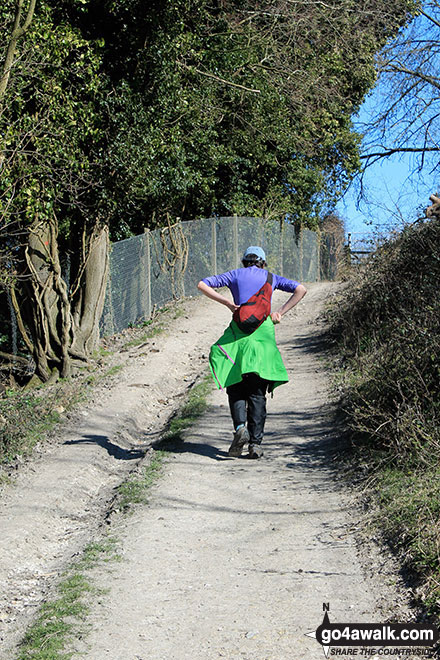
(169, 503)
(311, 437)
(307, 343)
(199, 448)
(314, 438)
(120, 453)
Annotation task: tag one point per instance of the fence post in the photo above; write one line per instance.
(214, 245)
(281, 269)
(318, 254)
(108, 317)
(235, 234)
(301, 250)
(348, 255)
(181, 273)
(148, 270)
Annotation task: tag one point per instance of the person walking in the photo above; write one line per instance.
(245, 360)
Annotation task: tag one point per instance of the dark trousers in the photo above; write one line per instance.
(247, 403)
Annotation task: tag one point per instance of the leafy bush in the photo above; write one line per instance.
(387, 327)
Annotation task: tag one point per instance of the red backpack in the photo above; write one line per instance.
(251, 314)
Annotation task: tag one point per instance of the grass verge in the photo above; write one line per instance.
(27, 417)
(63, 618)
(134, 490)
(193, 408)
(155, 326)
(401, 492)
(406, 512)
(144, 336)
(386, 330)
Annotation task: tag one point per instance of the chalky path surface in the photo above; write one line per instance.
(234, 558)
(58, 500)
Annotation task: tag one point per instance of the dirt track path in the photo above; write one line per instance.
(234, 558)
(231, 558)
(59, 499)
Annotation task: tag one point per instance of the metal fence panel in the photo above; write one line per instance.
(166, 264)
(272, 244)
(127, 296)
(310, 256)
(225, 244)
(169, 253)
(249, 232)
(200, 236)
(331, 254)
(291, 265)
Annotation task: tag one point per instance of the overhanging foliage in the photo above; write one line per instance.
(120, 114)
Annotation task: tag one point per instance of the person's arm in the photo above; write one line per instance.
(294, 299)
(215, 295)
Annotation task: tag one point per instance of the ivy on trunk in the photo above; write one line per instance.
(63, 322)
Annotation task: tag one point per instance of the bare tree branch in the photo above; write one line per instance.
(395, 68)
(430, 18)
(396, 150)
(407, 120)
(222, 80)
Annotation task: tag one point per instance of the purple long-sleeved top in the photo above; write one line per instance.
(244, 282)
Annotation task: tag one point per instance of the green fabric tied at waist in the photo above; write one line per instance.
(237, 353)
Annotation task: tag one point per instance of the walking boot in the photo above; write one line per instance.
(241, 437)
(255, 450)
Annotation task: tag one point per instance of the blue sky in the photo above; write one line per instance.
(391, 197)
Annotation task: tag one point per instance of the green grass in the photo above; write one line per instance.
(135, 489)
(101, 352)
(178, 312)
(26, 417)
(408, 514)
(136, 341)
(194, 407)
(104, 550)
(165, 314)
(141, 324)
(112, 371)
(5, 480)
(62, 619)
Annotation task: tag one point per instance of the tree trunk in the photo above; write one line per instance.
(18, 30)
(63, 325)
(88, 296)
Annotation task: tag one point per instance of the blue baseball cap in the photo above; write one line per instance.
(254, 249)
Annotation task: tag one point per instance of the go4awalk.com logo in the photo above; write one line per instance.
(376, 640)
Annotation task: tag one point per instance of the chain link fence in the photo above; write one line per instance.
(165, 264)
